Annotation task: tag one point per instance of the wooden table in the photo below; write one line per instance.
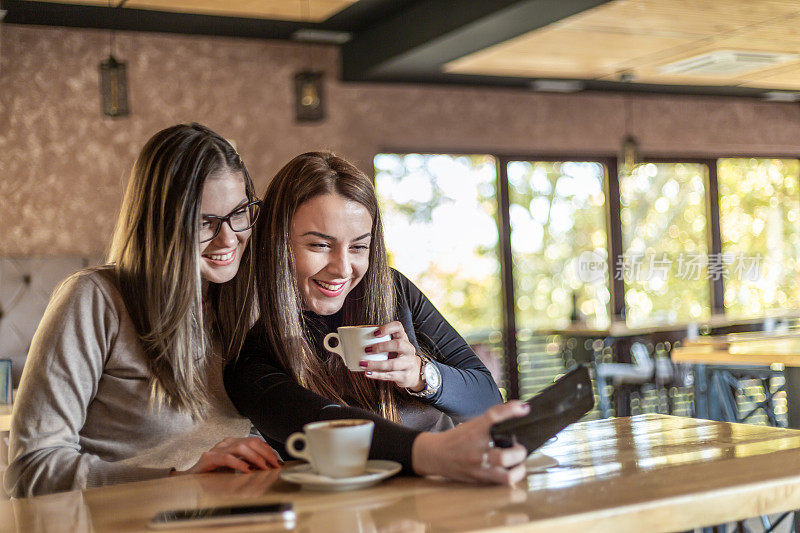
(741, 349)
(620, 337)
(750, 349)
(645, 473)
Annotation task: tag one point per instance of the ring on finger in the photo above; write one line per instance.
(485, 460)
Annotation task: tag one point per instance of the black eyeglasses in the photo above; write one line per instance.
(240, 219)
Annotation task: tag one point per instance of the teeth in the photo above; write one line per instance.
(329, 286)
(223, 257)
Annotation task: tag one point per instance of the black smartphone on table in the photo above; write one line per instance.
(554, 408)
(221, 516)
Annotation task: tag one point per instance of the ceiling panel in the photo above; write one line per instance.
(564, 52)
(295, 10)
(770, 36)
(684, 17)
(787, 78)
(640, 36)
(648, 69)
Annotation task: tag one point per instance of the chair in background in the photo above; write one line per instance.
(26, 284)
(725, 389)
(638, 373)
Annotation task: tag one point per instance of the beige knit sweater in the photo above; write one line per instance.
(82, 416)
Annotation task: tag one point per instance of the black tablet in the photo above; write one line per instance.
(554, 408)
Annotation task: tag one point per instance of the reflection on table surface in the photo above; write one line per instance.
(645, 473)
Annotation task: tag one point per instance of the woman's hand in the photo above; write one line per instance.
(243, 455)
(404, 369)
(465, 453)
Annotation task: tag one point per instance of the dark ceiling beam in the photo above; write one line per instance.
(429, 34)
(126, 19)
(353, 18)
(364, 13)
(471, 80)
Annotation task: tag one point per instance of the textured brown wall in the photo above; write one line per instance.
(63, 165)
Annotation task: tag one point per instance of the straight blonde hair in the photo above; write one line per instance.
(155, 252)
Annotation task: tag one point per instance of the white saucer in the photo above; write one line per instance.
(536, 462)
(377, 471)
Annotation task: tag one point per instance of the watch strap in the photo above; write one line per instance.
(427, 392)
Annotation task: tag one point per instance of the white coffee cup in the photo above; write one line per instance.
(352, 341)
(335, 448)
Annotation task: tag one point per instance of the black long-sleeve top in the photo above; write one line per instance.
(262, 390)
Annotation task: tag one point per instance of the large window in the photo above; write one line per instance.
(760, 228)
(665, 243)
(559, 243)
(440, 220)
(580, 259)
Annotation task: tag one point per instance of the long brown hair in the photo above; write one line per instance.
(155, 251)
(281, 319)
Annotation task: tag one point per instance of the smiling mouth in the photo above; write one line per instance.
(330, 289)
(221, 259)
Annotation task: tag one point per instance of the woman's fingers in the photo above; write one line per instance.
(395, 329)
(465, 452)
(517, 474)
(210, 461)
(503, 466)
(253, 450)
(398, 346)
(227, 460)
(507, 457)
(398, 363)
(397, 377)
(504, 411)
(271, 456)
(243, 451)
(236, 454)
(264, 450)
(404, 370)
(503, 476)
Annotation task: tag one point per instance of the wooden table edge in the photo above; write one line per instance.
(723, 505)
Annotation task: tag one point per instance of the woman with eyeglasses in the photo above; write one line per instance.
(123, 380)
(321, 263)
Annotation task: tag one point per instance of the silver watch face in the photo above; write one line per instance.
(432, 377)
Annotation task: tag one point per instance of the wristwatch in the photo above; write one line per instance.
(430, 376)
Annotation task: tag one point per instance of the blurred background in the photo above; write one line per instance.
(567, 181)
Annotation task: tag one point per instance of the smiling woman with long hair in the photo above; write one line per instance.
(123, 380)
(321, 263)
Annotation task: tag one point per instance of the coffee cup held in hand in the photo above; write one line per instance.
(352, 341)
(335, 448)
